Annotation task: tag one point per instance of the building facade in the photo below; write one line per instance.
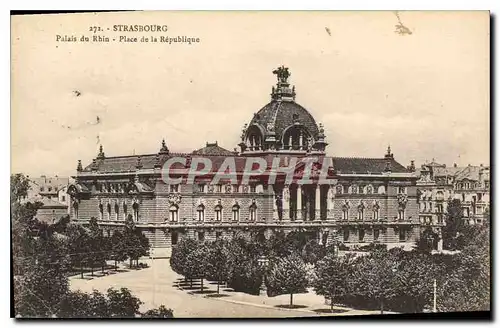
(438, 185)
(354, 201)
(51, 191)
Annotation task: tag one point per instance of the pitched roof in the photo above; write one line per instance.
(213, 149)
(469, 172)
(218, 155)
(366, 165)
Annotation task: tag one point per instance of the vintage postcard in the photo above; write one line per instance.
(250, 164)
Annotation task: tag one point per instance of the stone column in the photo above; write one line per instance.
(275, 206)
(299, 202)
(330, 202)
(317, 205)
(286, 202)
(301, 139)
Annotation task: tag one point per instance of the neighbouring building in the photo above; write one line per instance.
(364, 200)
(439, 184)
(52, 193)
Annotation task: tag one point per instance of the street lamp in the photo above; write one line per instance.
(263, 263)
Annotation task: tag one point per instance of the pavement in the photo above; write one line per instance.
(158, 284)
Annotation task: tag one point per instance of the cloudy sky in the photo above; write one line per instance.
(425, 93)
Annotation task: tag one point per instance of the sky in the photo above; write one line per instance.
(425, 93)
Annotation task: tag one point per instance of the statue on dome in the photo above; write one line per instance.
(282, 73)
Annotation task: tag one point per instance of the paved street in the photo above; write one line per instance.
(156, 285)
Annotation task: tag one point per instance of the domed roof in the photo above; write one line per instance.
(282, 124)
(278, 115)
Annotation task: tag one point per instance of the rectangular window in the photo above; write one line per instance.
(201, 188)
(402, 234)
(175, 237)
(346, 234)
(401, 215)
(174, 188)
(218, 188)
(361, 234)
(252, 189)
(401, 190)
(201, 235)
(63, 198)
(218, 234)
(376, 234)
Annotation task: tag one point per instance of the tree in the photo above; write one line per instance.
(43, 281)
(96, 245)
(217, 261)
(161, 312)
(195, 263)
(332, 275)
(78, 241)
(374, 278)
(245, 273)
(454, 224)
(19, 186)
(118, 248)
(287, 276)
(427, 240)
(135, 242)
(465, 283)
(313, 252)
(179, 254)
(122, 303)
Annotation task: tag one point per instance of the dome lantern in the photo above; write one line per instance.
(283, 92)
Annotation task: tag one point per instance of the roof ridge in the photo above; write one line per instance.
(352, 157)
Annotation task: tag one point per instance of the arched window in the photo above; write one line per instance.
(236, 212)
(346, 234)
(295, 138)
(218, 213)
(75, 209)
(125, 211)
(135, 207)
(361, 212)
(354, 189)
(201, 212)
(254, 138)
(338, 190)
(174, 213)
(253, 212)
(369, 189)
(108, 209)
(376, 212)
(401, 214)
(101, 211)
(381, 189)
(117, 211)
(345, 213)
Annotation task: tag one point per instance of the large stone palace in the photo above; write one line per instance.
(355, 201)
